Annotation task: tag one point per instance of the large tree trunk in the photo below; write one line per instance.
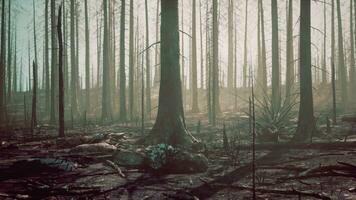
(195, 107)
(2, 63)
(306, 120)
(333, 78)
(170, 125)
(341, 59)
(74, 77)
(87, 58)
(122, 65)
(60, 75)
(263, 50)
(276, 96)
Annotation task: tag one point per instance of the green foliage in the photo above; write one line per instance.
(159, 155)
(272, 121)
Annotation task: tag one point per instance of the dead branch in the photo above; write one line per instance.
(116, 168)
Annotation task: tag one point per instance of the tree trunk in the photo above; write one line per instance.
(34, 98)
(87, 58)
(60, 75)
(341, 62)
(106, 97)
(170, 125)
(122, 65)
(148, 68)
(263, 50)
(352, 53)
(276, 96)
(2, 63)
(324, 80)
(230, 70)
(195, 107)
(54, 61)
(131, 64)
(215, 63)
(244, 72)
(47, 66)
(290, 54)
(306, 120)
(9, 53)
(333, 78)
(157, 64)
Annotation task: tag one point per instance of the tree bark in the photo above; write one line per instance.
(87, 58)
(148, 67)
(195, 107)
(2, 63)
(60, 75)
(122, 65)
(276, 96)
(131, 64)
(290, 55)
(53, 61)
(170, 125)
(306, 120)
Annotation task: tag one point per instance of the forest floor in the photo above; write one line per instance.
(325, 169)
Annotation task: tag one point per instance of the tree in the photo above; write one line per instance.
(352, 53)
(53, 61)
(34, 98)
(9, 53)
(2, 63)
(263, 50)
(195, 107)
(324, 80)
(170, 125)
(122, 65)
(230, 70)
(60, 75)
(341, 62)
(148, 68)
(106, 97)
(306, 120)
(46, 55)
(290, 54)
(131, 63)
(215, 62)
(244, 70)
(276, 96)
(87, 58)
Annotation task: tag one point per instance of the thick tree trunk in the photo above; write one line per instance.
(263, 50)
(122, 64)
(333, 78)
(306, 120)
(215, 64)
(60, 75)
(195, 107)
(170, 125)
(276, 96)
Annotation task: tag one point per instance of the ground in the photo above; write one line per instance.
(322, 170)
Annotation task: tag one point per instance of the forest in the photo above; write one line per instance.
(178, 99)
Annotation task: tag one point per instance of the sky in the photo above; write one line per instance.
(23, 15)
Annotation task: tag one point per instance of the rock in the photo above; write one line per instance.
(129, 158)
(102, 147)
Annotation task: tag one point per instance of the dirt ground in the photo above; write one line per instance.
(325, 169)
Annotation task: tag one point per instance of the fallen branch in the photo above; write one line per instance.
(116, 168)
(292, 192)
